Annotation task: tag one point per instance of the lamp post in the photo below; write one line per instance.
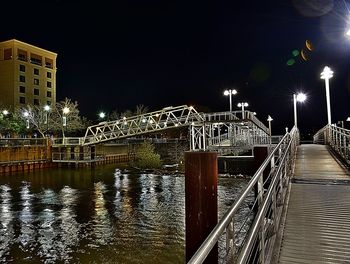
(242, 105)
(326, 74)
(47, 109)
(230, 93)
(64, 118)
(269, 119)
(300, 97)
(26, 115)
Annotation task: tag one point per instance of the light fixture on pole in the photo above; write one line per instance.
(26, 115)
(269, 119)
(242, 105)
(5, 112)
(326, 74)
(47, 109)
(300, 97)
(64, 118)
(230, 93)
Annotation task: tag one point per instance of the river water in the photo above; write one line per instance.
(100, 215)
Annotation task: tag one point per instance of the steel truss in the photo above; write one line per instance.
(166, 118)
(221, 131)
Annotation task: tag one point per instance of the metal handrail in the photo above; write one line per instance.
(281, 151)
(336, 137)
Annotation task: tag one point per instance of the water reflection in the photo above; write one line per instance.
(69, 227)
(26, 219)
(96, 216)
(6, 219)
(102, 229)
(47, 228)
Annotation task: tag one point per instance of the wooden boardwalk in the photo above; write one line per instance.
(317, 223)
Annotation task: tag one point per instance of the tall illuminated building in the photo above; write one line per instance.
(27, 74)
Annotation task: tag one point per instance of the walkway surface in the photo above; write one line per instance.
(317, 226)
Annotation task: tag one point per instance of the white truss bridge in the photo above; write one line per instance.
(208, 131)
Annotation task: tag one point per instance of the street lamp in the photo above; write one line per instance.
(64, 118)
(230, 93)
(269, 119)
(244, 104)
(300, 97)
(102, 115)
(26, 115)
(326, 74)
(47, 109)
(5, 112)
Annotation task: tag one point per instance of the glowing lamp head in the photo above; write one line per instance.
(301, 97)
(242, 104)
(66, 110)
(47, 108)
(102, 115)
(26, 114)
(269, 118)
(327, 73)
(5, 112)
(228, 92)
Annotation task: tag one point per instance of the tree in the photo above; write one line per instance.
(146, 158)
(63, 116)
(11, 123)
(141, 109)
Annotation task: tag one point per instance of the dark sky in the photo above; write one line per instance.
(118, 54)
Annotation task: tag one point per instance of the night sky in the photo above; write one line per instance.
(119, 54)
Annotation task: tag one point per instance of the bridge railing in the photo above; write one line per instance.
(247, 235)
(21, 142)
(338, 138)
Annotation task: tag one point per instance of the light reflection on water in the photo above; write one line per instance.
(96, 216)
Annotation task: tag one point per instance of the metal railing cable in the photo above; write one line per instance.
(268, 210)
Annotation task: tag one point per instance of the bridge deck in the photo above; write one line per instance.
(317, 225)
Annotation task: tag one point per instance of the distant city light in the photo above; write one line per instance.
(5, 112)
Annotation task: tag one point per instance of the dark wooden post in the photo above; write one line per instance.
(260, 155)
(201, 177)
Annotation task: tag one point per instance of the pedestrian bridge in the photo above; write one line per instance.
(301, 209)
(224, 132)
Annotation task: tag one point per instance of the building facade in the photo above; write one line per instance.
(27, 75)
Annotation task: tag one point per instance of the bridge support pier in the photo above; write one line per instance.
(201, 177)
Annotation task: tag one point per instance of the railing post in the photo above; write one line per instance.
(201, 173)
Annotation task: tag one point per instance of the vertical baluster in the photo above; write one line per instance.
(230, 242)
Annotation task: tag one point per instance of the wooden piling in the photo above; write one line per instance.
(201, 176)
